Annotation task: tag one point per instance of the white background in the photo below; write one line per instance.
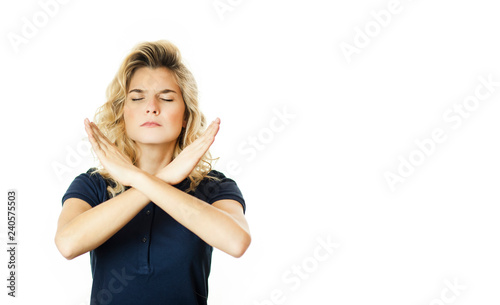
(351, 120)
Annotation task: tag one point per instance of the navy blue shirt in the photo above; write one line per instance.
(153, 259)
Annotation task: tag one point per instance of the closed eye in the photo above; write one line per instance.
(138, 99)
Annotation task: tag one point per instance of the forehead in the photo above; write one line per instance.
(154, 79)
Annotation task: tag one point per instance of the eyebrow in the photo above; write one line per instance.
(161, 92)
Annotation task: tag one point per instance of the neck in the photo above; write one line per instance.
(154, 157)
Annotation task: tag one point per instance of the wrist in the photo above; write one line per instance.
(144, 182)
(164, 176)
(138, 177)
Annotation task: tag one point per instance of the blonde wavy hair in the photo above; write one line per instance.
(109, 117)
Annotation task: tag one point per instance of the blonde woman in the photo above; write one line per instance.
(152, 213)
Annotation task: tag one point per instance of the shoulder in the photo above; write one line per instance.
(89, 186)
(216, 174)
(216, 186)
(93, 174)
(90, 178)
(95, 178)
(216, 178)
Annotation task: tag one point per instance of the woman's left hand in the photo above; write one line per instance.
(182, 166)
(114, 161)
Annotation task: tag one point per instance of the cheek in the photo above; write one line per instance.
(176, 116)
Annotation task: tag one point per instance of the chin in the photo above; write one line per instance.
(155, 139)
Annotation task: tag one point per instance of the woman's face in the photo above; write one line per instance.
(154, 108)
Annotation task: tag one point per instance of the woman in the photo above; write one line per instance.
(152, 213)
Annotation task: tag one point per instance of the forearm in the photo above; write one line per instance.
(93, 227)
(216, 227)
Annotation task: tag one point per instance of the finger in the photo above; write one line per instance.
(92, 139)
(217, 126)
(95, 137)
(213, 129)
(209, 138)
(105, 144)
(202, 143)
(97, 132)
(103, 140)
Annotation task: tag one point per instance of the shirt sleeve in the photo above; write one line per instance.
(87, 187)
(222, 188)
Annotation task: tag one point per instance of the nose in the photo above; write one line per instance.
(153, 106)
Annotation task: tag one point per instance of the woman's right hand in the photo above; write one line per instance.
(180, 168)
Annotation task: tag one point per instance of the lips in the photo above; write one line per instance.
(150, 124)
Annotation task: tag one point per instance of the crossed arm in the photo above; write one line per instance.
(82, 228)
